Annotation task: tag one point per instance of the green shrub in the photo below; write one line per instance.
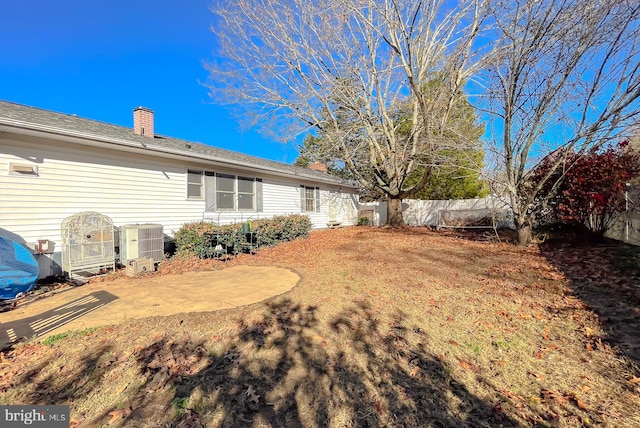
(190, 240)
(363, 221)
(282, 228)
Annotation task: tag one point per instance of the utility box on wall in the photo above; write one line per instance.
(141, 240)
(49, 264)
(42, 246)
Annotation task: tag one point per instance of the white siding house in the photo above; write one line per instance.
(54, 165)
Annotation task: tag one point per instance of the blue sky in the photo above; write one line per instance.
(101, 59)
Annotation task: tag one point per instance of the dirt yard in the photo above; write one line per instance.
(386, 327)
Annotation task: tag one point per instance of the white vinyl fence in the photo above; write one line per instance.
(626, 229)
(428, 213)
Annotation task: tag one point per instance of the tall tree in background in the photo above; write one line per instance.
(458, 166)
(351, 69)
(457, 173)
(460, 178)
(565, 76)
(313, 149)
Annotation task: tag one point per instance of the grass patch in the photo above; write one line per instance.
(50, 340)
(387, 327)
(180, 406)
(55, 338)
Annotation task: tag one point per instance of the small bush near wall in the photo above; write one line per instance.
(363, 221)
(190, 240)
(281, 228)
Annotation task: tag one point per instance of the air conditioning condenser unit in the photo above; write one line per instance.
(141, 240)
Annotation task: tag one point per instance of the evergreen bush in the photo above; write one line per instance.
(190, 239)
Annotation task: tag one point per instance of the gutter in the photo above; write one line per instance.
(25, 128)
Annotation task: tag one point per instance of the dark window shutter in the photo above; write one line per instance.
(259, 204)
(317, 199)
(209, 191)
(302, 200)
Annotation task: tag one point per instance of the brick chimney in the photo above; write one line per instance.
(319, 166)
(143, 121)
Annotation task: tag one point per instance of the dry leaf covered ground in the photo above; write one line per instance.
(403, 327)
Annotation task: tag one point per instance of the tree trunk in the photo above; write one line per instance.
(524, 232)
(394, 212)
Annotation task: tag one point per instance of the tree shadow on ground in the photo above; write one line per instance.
(281, 371)
(65, 382)
(606, 278)
(480, 234)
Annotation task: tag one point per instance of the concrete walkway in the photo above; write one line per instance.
(106, 303)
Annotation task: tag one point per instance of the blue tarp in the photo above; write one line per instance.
(18, 269)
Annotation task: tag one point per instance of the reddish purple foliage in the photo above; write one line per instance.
(592, 192)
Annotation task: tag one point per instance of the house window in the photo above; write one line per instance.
(309, 199)
(195, 184)
(225, 191)
(246, 193)
(23, 169)
(235, 192)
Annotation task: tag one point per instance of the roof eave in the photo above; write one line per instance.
(26, 128)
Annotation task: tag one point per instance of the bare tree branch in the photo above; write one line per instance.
(347, 68)
(565, 76)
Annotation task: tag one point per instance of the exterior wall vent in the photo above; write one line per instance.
(141, 240)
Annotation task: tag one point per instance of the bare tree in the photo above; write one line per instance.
(349, 68)
(565, 79)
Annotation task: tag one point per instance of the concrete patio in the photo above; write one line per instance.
(106, 303)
